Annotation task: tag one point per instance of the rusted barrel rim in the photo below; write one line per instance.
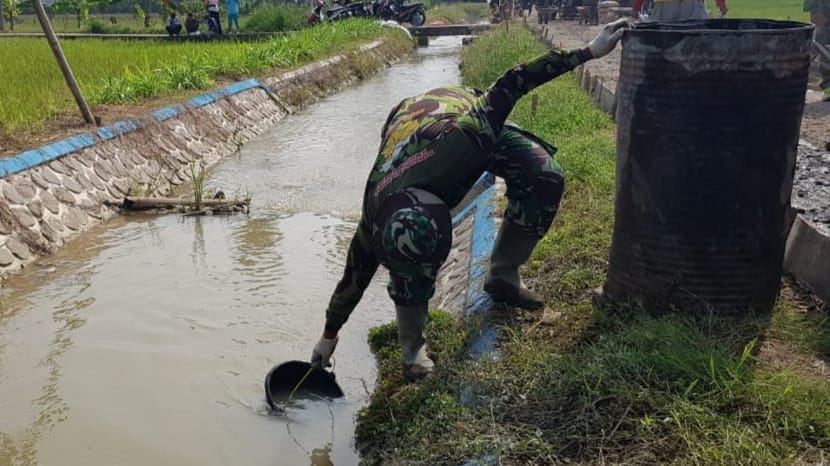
(722, 26)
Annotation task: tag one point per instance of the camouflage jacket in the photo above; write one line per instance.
(405, 158)
(441, 142)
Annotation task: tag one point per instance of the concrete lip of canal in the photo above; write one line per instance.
(146, 340)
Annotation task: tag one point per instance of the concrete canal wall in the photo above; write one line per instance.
(50, 195)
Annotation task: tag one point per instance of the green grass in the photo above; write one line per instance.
(276, 19)
(459, 13)
(772, 9)
(607, 386)
(117, 72)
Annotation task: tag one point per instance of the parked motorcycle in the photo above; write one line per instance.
(339, 10)
(395, 10)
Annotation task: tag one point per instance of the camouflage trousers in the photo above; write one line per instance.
(412, 230)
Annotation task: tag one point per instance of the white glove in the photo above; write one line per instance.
(607, 39)
(323, 350)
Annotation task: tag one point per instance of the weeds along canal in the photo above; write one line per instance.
(146, 340)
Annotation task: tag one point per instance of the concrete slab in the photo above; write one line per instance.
(807, 257)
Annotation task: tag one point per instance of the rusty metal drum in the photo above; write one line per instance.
(708, 114)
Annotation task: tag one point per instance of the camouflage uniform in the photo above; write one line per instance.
(433, 149)
(820, 16)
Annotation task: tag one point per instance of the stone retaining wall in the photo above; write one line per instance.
(50, 195)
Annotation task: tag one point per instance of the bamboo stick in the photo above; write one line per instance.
(141, 203)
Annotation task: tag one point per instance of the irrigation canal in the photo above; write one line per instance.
(146, 341)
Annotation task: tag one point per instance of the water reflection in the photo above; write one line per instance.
(199, 253)
(50, 408)
(256, 253)
(320, 456)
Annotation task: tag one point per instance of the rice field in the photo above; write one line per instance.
(69, 23)
(116, 72)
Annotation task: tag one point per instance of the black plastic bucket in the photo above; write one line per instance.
(298, 379)
(708, 114)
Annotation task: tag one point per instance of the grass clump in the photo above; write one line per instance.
(97, 26)
(770, 9)
(276, 19)
(402, 416)
(137, 84)
(459, 12)
(97, 23)
(581, 385)
(197, 178)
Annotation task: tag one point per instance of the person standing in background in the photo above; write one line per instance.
(233, 15)
(593, 11)
(820, 16)
(213, 14)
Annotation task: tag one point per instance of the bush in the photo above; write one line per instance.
(96, 26)
(276, 19)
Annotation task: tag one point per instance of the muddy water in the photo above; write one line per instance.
(146, 341)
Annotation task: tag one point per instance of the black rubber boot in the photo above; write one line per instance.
(512, 249)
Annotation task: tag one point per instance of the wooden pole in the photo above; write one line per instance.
(62, 63)
(822, 50)
(141, 203)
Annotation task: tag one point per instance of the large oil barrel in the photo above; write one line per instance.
(708, 114)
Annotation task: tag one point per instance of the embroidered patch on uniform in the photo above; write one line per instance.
(415, 159)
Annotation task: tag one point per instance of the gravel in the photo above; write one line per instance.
(811, 186)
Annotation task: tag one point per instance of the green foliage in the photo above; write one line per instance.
(138, 12)
(276, 19)
(806, 331)
(97, 26)
(459, 12)
(197, 178)
(138, 84)
(401, 415)
(771, 9)
(79, 7)
(488, 59)
(11, 10)
(196, 7)
(600, 386)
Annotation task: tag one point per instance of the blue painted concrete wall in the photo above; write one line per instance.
(35, 157)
